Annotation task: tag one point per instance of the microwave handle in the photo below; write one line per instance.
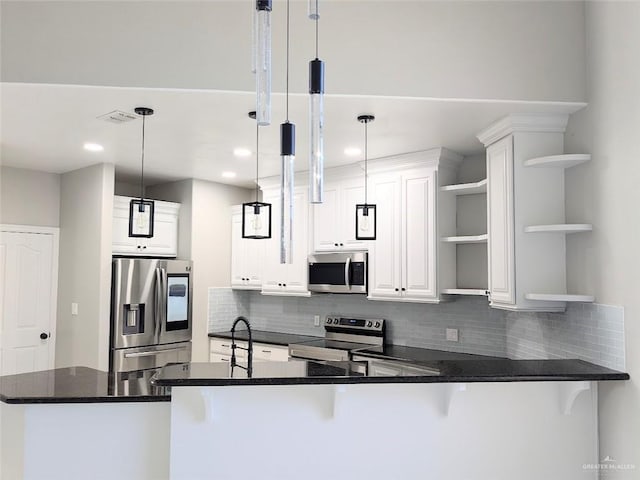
(347, 271)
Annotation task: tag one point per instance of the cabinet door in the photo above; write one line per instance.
(326, 231)
(274, 273)
(121, 242)
(352, 193)
(500, 221)
(296, 278)
(165, 232)
(418, 235)
(268, 352)
(385, 253)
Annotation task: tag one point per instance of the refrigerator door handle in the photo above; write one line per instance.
(158, 306)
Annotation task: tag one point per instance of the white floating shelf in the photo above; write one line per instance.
(464, 291)
(559, 228)
(559, 161)
(552, 297)
(466, 188)
(466, 239)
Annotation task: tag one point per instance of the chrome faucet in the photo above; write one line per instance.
(249, 348)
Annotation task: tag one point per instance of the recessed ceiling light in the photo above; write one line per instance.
(229, 174)
(352, 151)
(241, 152)
(93, 147)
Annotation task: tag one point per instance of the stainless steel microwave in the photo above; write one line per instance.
(338, 272)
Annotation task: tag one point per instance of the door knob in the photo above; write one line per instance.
(44, 336)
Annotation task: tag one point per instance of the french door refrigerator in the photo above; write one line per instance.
(151, 305)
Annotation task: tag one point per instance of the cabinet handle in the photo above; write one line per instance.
(397, 289)
(403, 289)
(342, 244)
(266, 351)
(138, 246)
(144, 246)
(335, 244)
(284, 284)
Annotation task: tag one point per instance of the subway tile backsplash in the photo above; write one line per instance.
(590, 332)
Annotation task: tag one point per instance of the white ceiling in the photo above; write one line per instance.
(193, 132)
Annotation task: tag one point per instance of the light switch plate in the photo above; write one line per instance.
(74, 309)
(451, 334)
(316, 320)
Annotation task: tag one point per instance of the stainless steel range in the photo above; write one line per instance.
(343, 337)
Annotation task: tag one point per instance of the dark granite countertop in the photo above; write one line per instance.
(78, 385)
(299, 372)
(262, 336)
(419, 355)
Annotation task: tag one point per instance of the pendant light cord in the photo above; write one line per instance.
(142, 172)
(287, 85)
(317, 19)
(366, 176)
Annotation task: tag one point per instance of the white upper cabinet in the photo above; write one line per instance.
(403, 259)
(333, 221)
(287, 279)
(526, 218)
(164, 242)
(247, 256)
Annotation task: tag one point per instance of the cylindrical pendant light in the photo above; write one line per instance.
(263, 62)
(288, 155)
(316, 119)
(366, 212)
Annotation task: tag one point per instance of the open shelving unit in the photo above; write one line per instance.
(462, 227)
(562, 161)
(567, 160)
(560, 228)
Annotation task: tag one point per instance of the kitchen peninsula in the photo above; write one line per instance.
(302, 419)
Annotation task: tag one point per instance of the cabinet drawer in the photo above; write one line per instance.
(276, 353)
(223, 347)
(216, 357)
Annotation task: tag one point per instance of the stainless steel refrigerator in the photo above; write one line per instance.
(151, 305)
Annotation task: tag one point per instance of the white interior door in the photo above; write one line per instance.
(28, 281)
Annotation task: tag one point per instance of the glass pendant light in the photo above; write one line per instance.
(316, 118)
(141, 210)
(365, 212)
(263, 62)
(288, 155)
(256, 216)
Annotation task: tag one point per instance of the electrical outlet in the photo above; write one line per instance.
(316, 320)
(451, 334)
(74, 309)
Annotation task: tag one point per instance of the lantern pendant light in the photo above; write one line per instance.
(288, 155)
(316, 117)
(263, 61)
(365, 212)
(256, 216)
(141, 210)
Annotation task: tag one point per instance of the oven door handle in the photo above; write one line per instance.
(347, 271)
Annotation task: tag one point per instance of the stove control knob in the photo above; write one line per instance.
(335, 321)
(377, 325)
(369, 323)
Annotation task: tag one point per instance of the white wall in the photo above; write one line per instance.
(29, 197)
(205, 237)
(528, 50)
(86, 209)
(605, 192)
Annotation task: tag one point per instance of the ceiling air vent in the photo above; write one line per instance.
(118, 116)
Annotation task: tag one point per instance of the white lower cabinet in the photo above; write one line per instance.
(247, 256)
(402, 260)
(220, 351)
(164, 242)
(287, 279)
